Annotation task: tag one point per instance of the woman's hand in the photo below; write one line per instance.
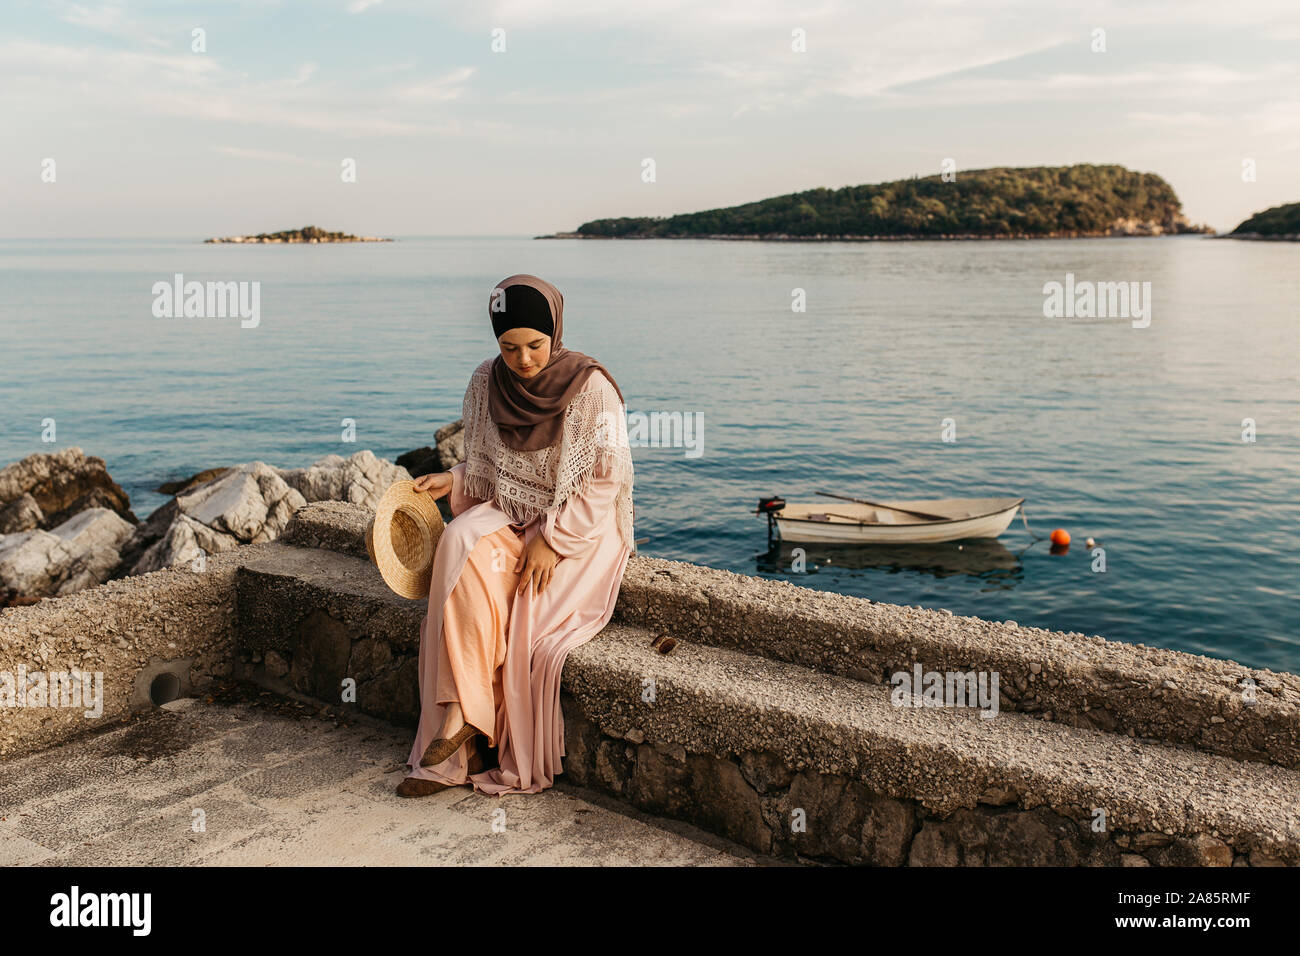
(437, 484)
(537, 563)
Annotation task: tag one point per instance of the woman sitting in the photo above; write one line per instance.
(530, 565)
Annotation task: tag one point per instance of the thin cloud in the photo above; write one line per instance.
(197, 87)
(438, 90)
(1184, 120)
(267, 155)
(1156, 81)
(108, 19)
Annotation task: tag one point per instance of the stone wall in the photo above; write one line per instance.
(129, 630)
(758, 801)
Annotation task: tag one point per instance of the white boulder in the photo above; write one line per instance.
(79, 553)
(361, 479)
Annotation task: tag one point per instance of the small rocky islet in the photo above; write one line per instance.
(307, 234)
(66, 525)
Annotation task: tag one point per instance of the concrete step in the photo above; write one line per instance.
(782, 725)
(1216, 706)
(742, 744)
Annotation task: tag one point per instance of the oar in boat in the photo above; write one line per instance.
(835, 514)
(876, 504)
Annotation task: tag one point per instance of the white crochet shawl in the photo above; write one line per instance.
(525, 484)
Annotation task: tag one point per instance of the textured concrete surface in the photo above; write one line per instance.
(118, 629)
(709, 700)
(276, 790)
(332, 525)
(1071, 678)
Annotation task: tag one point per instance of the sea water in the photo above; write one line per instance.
(880, 370)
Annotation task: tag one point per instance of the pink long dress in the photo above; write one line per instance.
(473, 578)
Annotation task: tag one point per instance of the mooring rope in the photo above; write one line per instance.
(1036, 537)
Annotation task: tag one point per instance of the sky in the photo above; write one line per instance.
(151, 137)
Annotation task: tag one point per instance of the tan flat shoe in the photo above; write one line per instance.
(415, 787)
(441, 748)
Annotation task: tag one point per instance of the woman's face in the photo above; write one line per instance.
(526, 351)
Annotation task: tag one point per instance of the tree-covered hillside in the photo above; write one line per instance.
(1278, 221)
(1083, 200)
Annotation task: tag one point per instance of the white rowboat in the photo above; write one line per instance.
(888, 522)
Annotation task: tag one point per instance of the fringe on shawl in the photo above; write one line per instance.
(617, 457)
(484, 489)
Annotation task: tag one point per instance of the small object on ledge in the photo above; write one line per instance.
(664, 644)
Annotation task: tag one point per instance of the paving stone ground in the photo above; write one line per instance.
(272, 789)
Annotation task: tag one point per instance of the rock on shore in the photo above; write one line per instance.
(66, 525)
(78, 553)
(361, 478)
(1175, 224)
(249, 504)
(46, 489)
(450, 450)
(62, 523)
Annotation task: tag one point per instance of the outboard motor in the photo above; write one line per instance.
(769, 507)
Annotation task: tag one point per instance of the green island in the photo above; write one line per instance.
(999, 203)
(307, 234)
(1280, 222)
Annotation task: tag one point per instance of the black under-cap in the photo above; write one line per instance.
(521, 307)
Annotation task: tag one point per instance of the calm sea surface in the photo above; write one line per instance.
(1131, 436)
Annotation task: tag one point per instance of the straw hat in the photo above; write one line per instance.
(403, 537)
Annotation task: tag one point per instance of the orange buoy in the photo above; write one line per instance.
(1060, 536)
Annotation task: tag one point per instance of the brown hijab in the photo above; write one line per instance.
(529, 413)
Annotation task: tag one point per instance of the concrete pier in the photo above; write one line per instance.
(772, 725)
